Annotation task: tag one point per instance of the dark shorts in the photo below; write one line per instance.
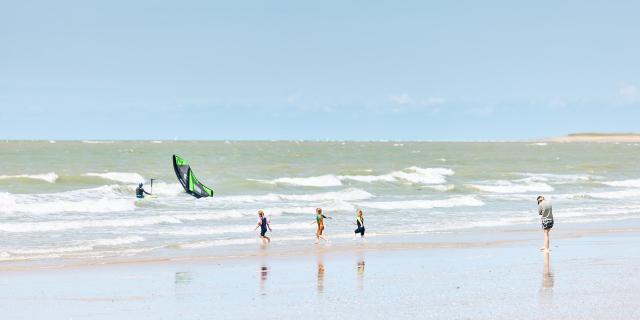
(547, 224)
(263, 232)
(360, 231)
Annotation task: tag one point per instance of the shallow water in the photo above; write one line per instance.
(76, 199)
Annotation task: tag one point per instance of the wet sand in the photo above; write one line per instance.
(590, 273)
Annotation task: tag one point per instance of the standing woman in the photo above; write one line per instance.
(320, 222)
(360, 223)
(546, 213)
(263, 224)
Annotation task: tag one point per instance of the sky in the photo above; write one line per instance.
(338, 70)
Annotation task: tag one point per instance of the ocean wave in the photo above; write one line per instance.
(319, 181)
(10, 204)
(62, 225)
(503, 186)
(241, 241)
(555, 178)
(126, 177)
(56, 252)
(246, 228)
(631, 183)
(629, 193)
(465, 201)
(50, 177)
(343, 195)
(412, 175)
(217, 243)
(98, 141)
(415, 175)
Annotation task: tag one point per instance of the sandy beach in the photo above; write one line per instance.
(479, 274)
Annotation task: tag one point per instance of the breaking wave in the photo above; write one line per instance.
(50, 177)
(126, 177)
(411, 175)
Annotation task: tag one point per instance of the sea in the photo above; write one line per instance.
(75, 200)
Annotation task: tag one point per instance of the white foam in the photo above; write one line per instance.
(245, 228)
(330, 209)
(126, 177)
(415, 175)
(319, 181)
(343, 195)
(61, 225)
(50, 177)
(81, 246)
(630, 193)
(441, 187)
(11, 204)
(503, 186)
(542, 144)
(555, 178)
(97, 141)
(217, 243)
(411, 175)
(631, 183)
(163, 188)
(464, 201)
(156, 141)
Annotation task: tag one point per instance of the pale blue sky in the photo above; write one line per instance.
(418, 70)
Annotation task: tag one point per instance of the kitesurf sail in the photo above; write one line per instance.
(188, 180)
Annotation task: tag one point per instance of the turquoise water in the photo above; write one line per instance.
(76, 199)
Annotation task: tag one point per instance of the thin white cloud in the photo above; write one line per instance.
(432, 102)
(482, 111)
(402, 99)
(292, 98)
(630, 92)
(405, 102)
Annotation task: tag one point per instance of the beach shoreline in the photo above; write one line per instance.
(584, 276)
(462, 239)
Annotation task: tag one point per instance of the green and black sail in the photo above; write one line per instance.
(188, 179)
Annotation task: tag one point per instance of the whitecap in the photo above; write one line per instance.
(632, 183)
(503, 186)
(50, 177)
(343, 195)
(411, 175)
(465, 201)
(126, 177)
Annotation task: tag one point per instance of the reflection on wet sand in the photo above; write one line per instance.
(183, 277)
(320, 276)
(182, 281)
(546, 290)
(360, 273)
(264, 274)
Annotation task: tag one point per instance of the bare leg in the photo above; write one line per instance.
(546, 239)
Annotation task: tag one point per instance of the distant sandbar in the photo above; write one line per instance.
(598, 137)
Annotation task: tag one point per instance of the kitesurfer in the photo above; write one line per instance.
(140, 192)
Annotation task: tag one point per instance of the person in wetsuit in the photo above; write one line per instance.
(263, 224)
(360, 223)
(140, 192)
(320, 222)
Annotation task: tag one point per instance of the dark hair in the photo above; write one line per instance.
(539, 198)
